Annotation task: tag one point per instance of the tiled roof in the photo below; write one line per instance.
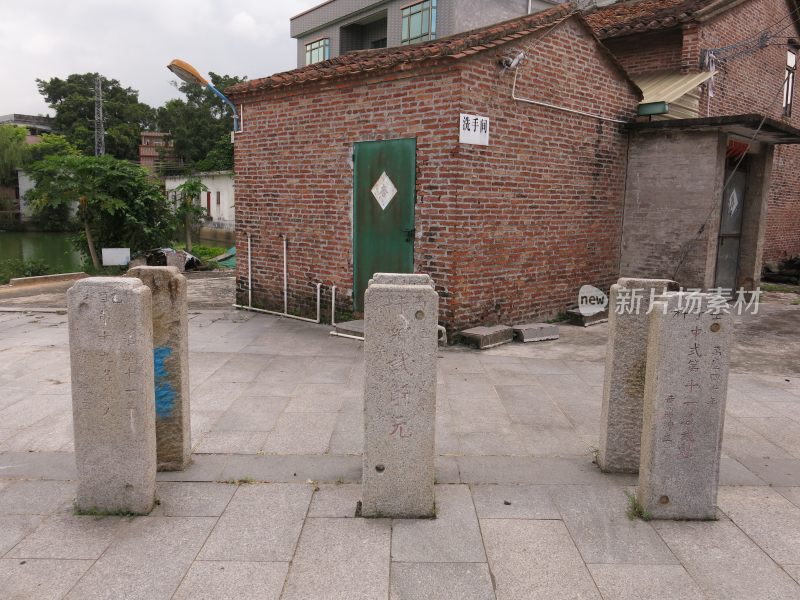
(630, 17)
(455, 46)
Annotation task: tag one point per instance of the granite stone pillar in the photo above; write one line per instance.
(684, 406)
(626, 356)
(400, 327)
(111, 357)
(171, 364)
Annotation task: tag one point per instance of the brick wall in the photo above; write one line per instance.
(753, 84)
(749, 84)
(508, 232)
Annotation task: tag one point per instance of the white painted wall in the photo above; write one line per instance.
(219, 184)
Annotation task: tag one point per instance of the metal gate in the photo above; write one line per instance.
(384, 192)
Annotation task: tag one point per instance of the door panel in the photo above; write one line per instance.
(384, 189)
(730, 229)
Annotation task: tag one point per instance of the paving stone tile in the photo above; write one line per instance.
(492, 444)
(740, 440)
(345, 559)
(231, 442)
(316, 397)
(39, 579)
(261, 523)
(528, 404)
(335, 501)
(67, 536)
(56, 466)
(47, 435)
(774, 471)
(297, 370)
(148, 559)
(645, 582)
(301, 433)
(294, 469)
(36, 497)
(768, 518)
(204, 467)
(792, 494)
(192, 499)
(347, 442)
(732, 472)
(476, 421)
(596, 519)
(781, 431)
(230, 580)
(252, 413)
(535, 470)
(551, 441)
(794, 571)
(241, 368)
(533, 560)
(446, 470)
(441, 581)
(513, 502)
(15, 527)
(453, 536)
(540, 366)
(474, 386)
(216, 395)
(501, 373)
(724, 562)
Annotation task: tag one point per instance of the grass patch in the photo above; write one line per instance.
(636, 510)
(204, 253)
(246, 480)
(796, 302)
(778, 287)
(12, 268)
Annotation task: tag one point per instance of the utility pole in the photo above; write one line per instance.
(99, 123)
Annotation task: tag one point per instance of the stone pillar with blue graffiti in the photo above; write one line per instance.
(171, 364)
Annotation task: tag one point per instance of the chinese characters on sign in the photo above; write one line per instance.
(474, 129)
(721, 301)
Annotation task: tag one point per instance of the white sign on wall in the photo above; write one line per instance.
(474, 129)
(116, 256)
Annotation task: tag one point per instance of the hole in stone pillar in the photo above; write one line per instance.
(716, 327)
(420, 315)
(663, 500)
(380, 468)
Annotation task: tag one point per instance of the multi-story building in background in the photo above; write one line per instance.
(340, 26)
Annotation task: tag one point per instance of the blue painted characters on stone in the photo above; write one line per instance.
(165, 393)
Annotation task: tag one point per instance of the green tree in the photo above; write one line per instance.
(12, 152)
(52, 217)
(219, 158)
(73, 100)
(186, 210)
(200, 125)
(118, 204)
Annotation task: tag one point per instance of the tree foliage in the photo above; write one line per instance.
(12, 152)
(200, 125)
(50, 144)
(73, 100)
(119, 205)
(52, 217)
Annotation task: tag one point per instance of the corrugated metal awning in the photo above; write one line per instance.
(669, 87)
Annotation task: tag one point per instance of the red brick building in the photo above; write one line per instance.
(746, 42)
(507, 231)
(361, 163)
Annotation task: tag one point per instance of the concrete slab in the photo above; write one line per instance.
(341, 559)
(189, 499)
(724, 562)
(234, 580)
(335, 501)
(15, 527)
(441, 581)
(36, 497)
(66, 536)
(261, 523)
(535, 332)
(149, 561)
(597, 521)
(768, 518)
(535, 560)
(453, 536)
(40, 579)
(645, 582)
(513, 502)
(484, 338)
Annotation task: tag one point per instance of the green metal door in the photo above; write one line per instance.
(384, 184)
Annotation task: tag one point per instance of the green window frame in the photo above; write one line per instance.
(318, 51)
(419, 22)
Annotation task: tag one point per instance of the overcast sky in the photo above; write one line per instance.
(133, 40)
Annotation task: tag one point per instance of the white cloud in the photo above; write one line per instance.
(133, 40)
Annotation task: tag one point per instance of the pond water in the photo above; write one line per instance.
(55, 249)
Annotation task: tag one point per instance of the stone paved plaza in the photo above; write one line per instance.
(267, 508)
